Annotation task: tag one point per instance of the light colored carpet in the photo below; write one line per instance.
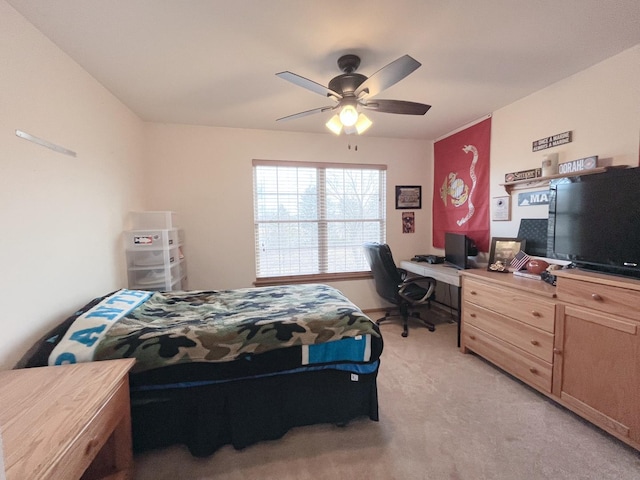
(443, 415)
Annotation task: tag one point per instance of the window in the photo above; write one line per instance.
(312, 219)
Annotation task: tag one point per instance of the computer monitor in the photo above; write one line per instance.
(456, 250)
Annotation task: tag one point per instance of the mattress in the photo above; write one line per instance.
(198, 337)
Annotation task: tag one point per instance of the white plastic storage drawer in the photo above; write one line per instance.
(154, 220)
(158, 278)
(181, 284)
(152, 239)
(145, 258)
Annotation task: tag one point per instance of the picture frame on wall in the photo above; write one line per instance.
(408, 222)
(501, 208)
(408, 197)
(502, 252)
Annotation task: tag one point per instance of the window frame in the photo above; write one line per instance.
(322, 167)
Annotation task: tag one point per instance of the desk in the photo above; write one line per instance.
(66, 421)
(441, 272)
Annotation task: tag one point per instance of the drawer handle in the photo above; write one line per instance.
(596, 297)
(557, 351)
(535, 313)
(473, 292)
(535, 342)
(472, 315)
(533, 370)
(472, 337)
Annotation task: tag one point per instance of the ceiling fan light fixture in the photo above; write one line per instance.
(363, 123)
(335, 125)
(348, 115)
(350, 130)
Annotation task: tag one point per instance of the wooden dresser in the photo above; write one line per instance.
(67, 422)
(578, 343)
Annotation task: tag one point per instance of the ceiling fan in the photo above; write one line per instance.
(352, 91)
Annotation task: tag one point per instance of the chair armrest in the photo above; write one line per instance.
(403, 273)
(426, 283)
(408, 276)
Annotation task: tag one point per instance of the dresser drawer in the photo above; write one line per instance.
(532, 340)
(604, 298)
(512, 303)
(527, 367)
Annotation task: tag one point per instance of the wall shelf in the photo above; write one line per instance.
(542, 181)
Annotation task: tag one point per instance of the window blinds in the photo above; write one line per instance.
(312, 218)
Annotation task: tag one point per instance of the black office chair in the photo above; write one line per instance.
(396, 286)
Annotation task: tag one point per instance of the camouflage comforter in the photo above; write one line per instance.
(220, 326)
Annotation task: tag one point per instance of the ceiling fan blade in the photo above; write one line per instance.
(397, 106)
(387, 76)
(307, 112)
(308, 84)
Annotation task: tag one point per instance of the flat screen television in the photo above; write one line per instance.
(594, 221)
(457, 248)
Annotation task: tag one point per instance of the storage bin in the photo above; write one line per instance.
(162, 278)
(180, 284)
(154, 220)
(152, 239)
(147, 257)
(155, 256)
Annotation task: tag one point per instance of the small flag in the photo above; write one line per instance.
(519, 261)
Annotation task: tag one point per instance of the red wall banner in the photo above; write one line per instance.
(461, 185)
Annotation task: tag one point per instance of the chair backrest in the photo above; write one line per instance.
(385, 273)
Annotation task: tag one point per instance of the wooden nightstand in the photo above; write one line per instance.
(67, 422)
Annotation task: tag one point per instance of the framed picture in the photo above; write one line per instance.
(501, 208)
(408, 222)
(502, 251)
(408, 196)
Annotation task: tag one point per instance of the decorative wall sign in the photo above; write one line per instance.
(408, 196)
(552, 141)
(579, 165)
(501, 210)
(541, 197)
(523, 175)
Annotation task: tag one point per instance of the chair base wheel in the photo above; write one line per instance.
(404, 334)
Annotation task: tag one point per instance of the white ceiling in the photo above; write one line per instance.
(214, 62)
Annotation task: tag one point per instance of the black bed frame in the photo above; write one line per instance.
(243, 412)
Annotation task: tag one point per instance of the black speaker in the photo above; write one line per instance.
(472, 248)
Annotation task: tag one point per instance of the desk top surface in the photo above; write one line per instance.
(441, 272)
(44, 409)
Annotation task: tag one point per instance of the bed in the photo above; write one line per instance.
(227, 366)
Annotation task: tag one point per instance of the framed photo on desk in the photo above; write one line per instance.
(503, 250)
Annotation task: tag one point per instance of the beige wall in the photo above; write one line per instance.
(60, 216)
(205, 174)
